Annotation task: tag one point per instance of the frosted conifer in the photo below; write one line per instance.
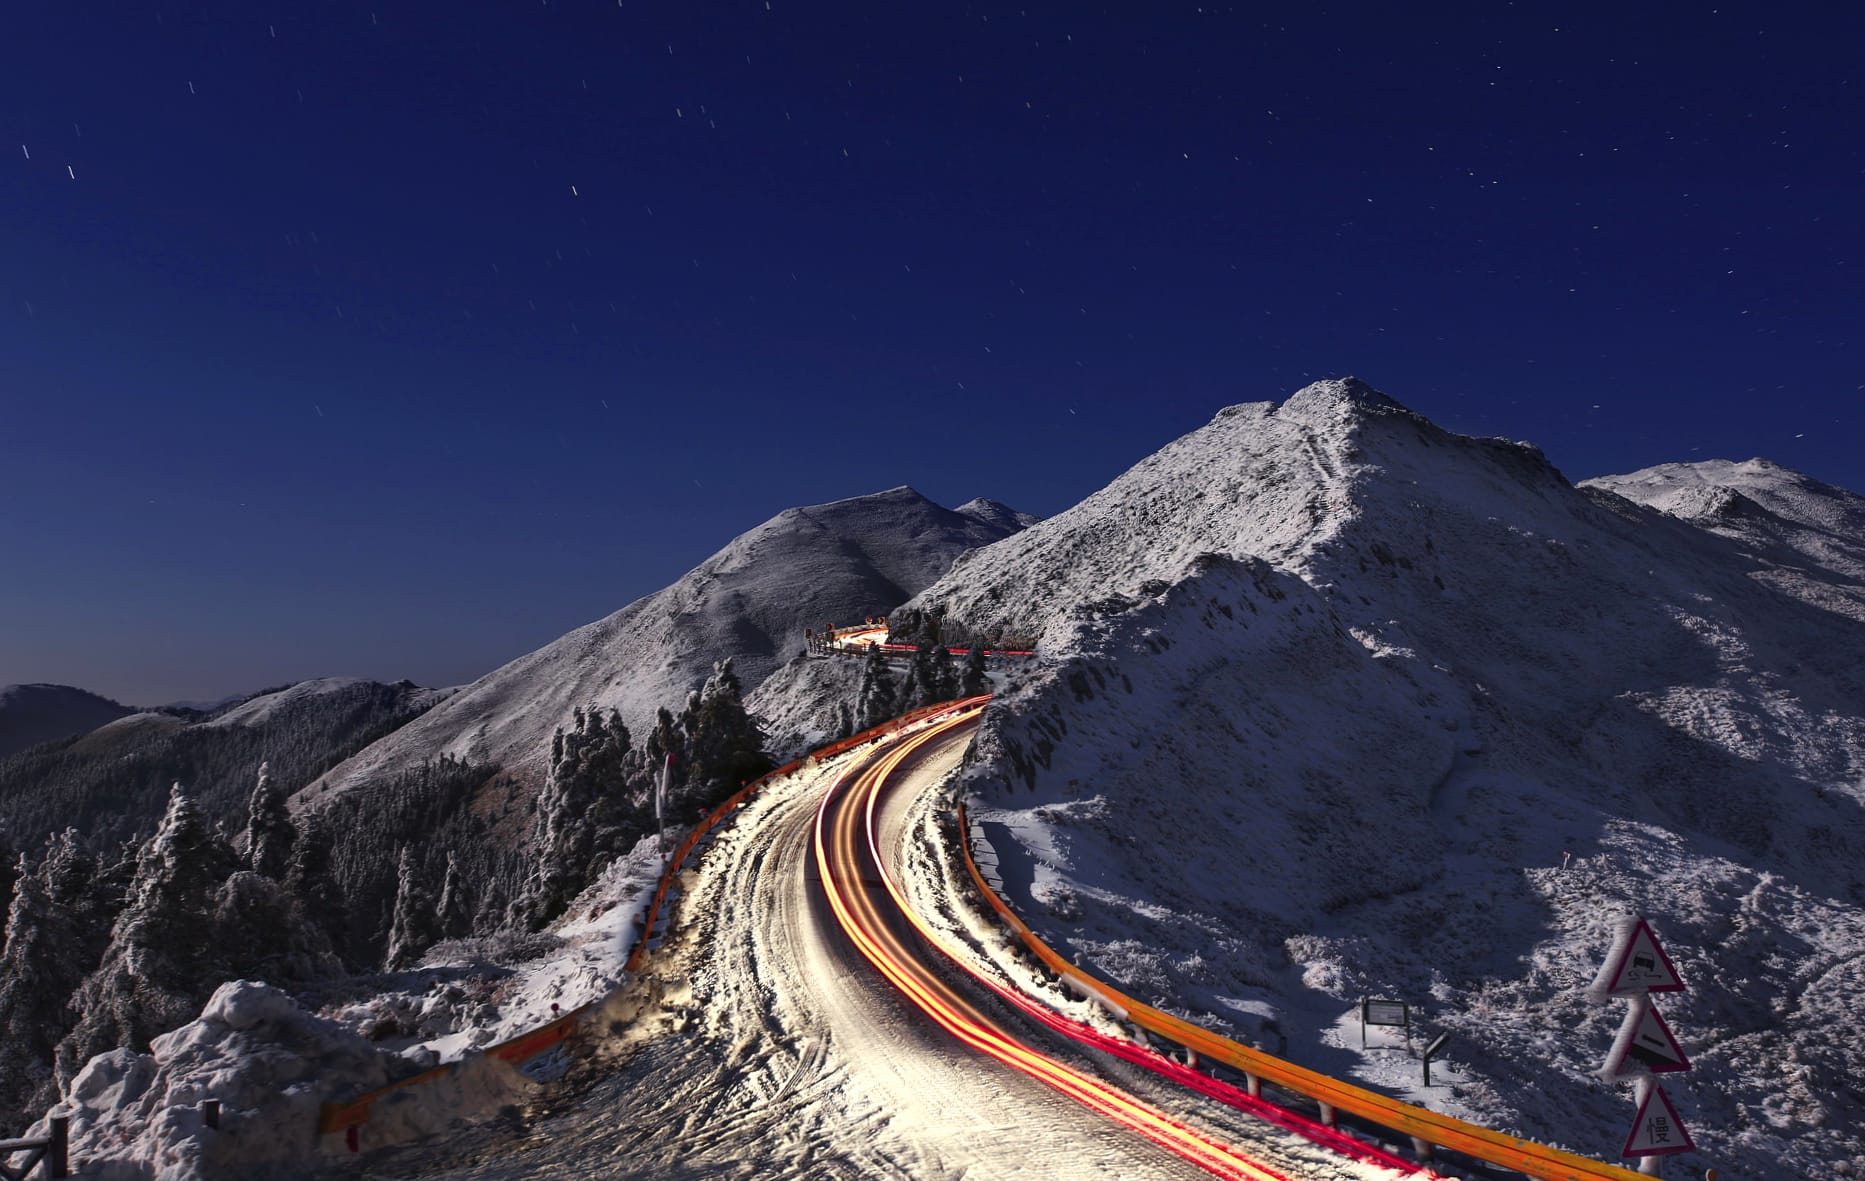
(411, 927)
(973, 681)
(269, 831)
(876, 702)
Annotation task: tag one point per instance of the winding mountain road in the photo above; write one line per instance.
(769, 1045)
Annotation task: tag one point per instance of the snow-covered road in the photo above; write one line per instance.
(766, 1046)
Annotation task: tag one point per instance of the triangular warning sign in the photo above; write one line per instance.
(1657, 1131)
(1638, 964)
(1646, 1040)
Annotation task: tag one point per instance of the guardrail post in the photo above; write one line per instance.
(1329, 1117)
(58, 1148)
(1254, 1085)
(1422, 1149)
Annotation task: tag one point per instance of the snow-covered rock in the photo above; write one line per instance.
(271, 1065)
(1332, 702)
(806, 567)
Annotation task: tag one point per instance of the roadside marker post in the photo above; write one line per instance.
(1432, 1051)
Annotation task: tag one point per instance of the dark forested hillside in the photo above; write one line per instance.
(113, 783)
(32, 714)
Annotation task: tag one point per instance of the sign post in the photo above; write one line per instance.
(1384, 1012)
(1645, 1046)
(1432, 1051)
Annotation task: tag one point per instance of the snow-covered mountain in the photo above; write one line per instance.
(1800, 536)
(806, 567)
(31, 714)
(1332, 702)
(113, 781)
(317, 694)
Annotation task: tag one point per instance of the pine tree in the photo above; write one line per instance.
(11, 866)
(32, 997)
(876, 702)
(973, 682)
(922, 679)
(584, 816)
(663, 740)
(258, 936)
(56, 930)
(943, 675)
(727, 742)
(412, 927)
(269, 831)
(454, 915)
(311, 890)
(155, 973)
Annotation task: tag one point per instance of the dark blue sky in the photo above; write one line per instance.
(397, 338)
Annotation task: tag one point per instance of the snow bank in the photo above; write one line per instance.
(136, 1117)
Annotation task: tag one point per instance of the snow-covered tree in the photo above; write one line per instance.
(875, 702)
(156, 972)
(259, 938)
(269, 830)
(942, 677)
(665, 739)
(311, 888)
(973, 681)
(727, 743)
(584, 815)
(411, 927)
(930, 679)
(33, 990)
(454, 915)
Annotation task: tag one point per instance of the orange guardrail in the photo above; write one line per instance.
(337, 1117)
(1421, 1124)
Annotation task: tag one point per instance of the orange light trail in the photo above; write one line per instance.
(839, 847)
(1318, 1133)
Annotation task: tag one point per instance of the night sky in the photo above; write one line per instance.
(397, 338)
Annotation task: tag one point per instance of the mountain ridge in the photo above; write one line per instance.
(806, 567)
(40, 712)
(1372, 684)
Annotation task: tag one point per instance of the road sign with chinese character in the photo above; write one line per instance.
(1657, 1131)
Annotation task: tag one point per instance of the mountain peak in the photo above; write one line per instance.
(996, 513)
(1335, 398)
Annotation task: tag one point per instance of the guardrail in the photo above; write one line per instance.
(1425, 1127)
(351, 1116)
(53, 1151)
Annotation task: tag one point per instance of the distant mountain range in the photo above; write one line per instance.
(31, 714)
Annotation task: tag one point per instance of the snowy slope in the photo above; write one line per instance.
(805, 567)
(31, 714)
(1799, 535)
(270, 708)
(1326, 698)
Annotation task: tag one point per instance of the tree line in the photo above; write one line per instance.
(110, 943)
